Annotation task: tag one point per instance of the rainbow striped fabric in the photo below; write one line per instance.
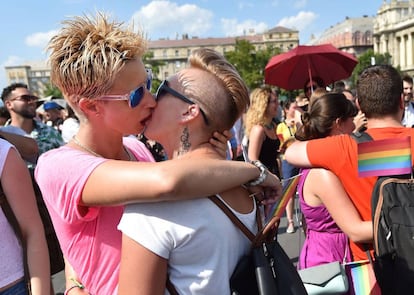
(363, 281)
(384, 157)
(289, 189)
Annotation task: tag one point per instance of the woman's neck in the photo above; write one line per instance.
(270, 125)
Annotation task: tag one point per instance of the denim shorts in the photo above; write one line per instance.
(17, 289)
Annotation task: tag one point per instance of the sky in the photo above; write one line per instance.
(28, 25)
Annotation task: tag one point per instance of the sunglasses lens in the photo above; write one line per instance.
(29, 98)
(136, 96)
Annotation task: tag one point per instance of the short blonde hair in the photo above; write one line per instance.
(88, 53)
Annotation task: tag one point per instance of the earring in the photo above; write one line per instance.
(185, 143)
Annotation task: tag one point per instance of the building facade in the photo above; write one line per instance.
(172, 54)
(353, 35)
(394, 33)
(34, 74)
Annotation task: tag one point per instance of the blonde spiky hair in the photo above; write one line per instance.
(88, 53)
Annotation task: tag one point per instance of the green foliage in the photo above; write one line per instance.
(364, 61)
(155, 65)
(51, 90)
(149, 62)
(250, 62)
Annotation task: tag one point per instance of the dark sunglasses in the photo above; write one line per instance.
(135, 96)
(26, 98)
(165, 88)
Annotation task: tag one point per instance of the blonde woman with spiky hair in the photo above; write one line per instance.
(260, 128)
(97, 64)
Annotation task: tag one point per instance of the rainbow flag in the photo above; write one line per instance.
(363, 281)
(289, 189)
(384, 157)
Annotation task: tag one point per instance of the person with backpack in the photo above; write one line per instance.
(330, 217)
(379, 90)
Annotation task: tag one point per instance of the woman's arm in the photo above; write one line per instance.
(142, 271)
(120, 182)
(72, 280)
(296, 154)
(17, 186)
(256, 138)
(339, 205)
(26, 146)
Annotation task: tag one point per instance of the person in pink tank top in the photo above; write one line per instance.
(97, 64)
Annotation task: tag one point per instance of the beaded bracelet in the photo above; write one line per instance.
(262, 176)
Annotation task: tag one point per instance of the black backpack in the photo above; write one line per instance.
(392, 208)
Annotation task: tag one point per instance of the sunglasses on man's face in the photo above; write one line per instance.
(26, 98)
(165, 88)
(135, 96)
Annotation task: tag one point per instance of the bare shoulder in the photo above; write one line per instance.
(257, 129)
(239, 199)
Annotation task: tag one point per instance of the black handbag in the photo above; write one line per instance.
(267, 269)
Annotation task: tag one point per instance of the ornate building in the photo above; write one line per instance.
(353, 35)
(394, 33)
(173, 53)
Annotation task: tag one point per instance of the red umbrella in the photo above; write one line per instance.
(291, 70)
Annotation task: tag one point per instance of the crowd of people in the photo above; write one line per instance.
(130, 217)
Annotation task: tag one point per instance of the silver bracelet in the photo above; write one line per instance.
(262, 176)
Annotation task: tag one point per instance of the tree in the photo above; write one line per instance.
(149, 62)
(249, 62)
(364, 61)
(51, 90)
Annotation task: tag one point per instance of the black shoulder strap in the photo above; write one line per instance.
(237, 222)
(361, 136)
(233, 217)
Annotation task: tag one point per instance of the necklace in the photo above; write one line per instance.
(78, 143)
(270, 126)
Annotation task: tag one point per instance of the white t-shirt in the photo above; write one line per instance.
(69, 128)
(408, 119)
(11, 262)
(201, 243)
